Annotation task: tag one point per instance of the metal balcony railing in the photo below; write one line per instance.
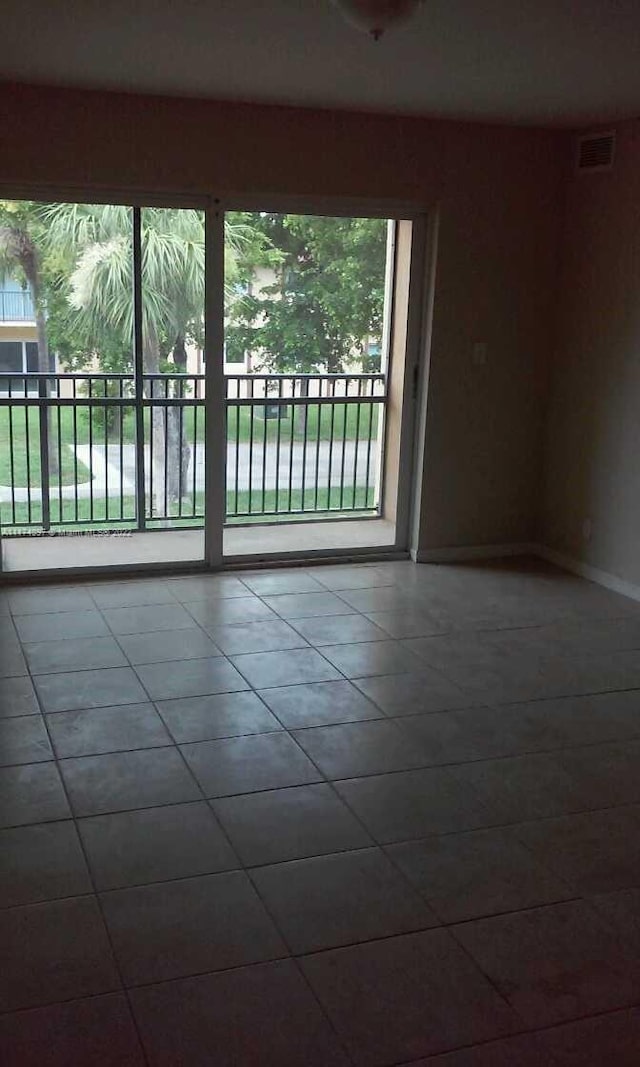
(102, 452)
(16, 306)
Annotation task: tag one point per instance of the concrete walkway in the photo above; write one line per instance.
(114, 472)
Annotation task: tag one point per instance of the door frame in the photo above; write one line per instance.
(419, 310)
(421, 280)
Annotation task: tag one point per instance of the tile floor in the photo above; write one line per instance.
(374, 815)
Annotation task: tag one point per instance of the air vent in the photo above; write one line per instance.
(595, 152)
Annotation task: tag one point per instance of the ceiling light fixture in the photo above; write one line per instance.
(376, 16)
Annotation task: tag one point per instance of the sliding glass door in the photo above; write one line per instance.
(102, 419)
(311, 362)
(181, 385)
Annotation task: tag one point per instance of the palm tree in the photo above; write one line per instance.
(19, 254)
(97, 239)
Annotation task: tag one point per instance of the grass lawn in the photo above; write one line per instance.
(240, 510)
(20, 460)
(346, 423)
(24, 424)
(20, 449)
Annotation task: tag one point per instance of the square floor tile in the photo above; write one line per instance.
(479, 648)
(7, 626)
(272, 636)
(190, 678)
(280, 581)
(607, 1039)
(358, 748)
(306, 605)
(97, 1031)
(220, 715)
(248, 764)
(53, 657)
(531, 676)
(395, 1000)
(207, 587)
(155, 844)
(285, 824)
(358, 577)
(483, 733)
(131, 594)
(266, 669)
(98, 730)
(457, 736)
(522, 1051)
(168, 645)
(319, 704)
(148, 619)
(340, 899)
(125, 780)
(263, 1014)
(175, 929)
(524, 787)
(464, 876)
(371, 657)
(24, 740)
(409, 694)
(41, 863)
(223, 611)
(584, 720)
(29, 601)
(555, 963)
(89, 689)
(621, 911)
(65, 625)
(17, 697)
(381, 598)
(54, 952)
(405, 624)
(591, 851)
(31, 793)
(337, 629)
(413, 804)
(12, 662)
(607, 774)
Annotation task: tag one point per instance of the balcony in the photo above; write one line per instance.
(95, 453)
(16, 306)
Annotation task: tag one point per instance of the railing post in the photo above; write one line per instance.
(43, 417)
(138, 364)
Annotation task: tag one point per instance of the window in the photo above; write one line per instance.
(17, 357)
(31, 357)
(11, 357)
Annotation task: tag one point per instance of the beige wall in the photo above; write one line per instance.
(499, 190)
(593, 442)
(18, 333)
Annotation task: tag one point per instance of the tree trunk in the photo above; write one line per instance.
(32, 275)
(157, 479)
(300, 411)
(178, 448)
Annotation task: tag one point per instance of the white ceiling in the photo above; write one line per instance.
(547, 62)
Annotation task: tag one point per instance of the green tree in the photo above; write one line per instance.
(327, 299)
(97, 312)
(20, 256)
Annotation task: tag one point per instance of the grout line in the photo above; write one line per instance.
(114, 957)
(585, 813)
(295, 960)
(342, 801)
(484, 1044)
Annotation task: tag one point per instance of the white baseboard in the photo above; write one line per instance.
(567, 563)
(468, 552)
(592, 574)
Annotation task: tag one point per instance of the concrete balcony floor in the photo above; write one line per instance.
(161, 548)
